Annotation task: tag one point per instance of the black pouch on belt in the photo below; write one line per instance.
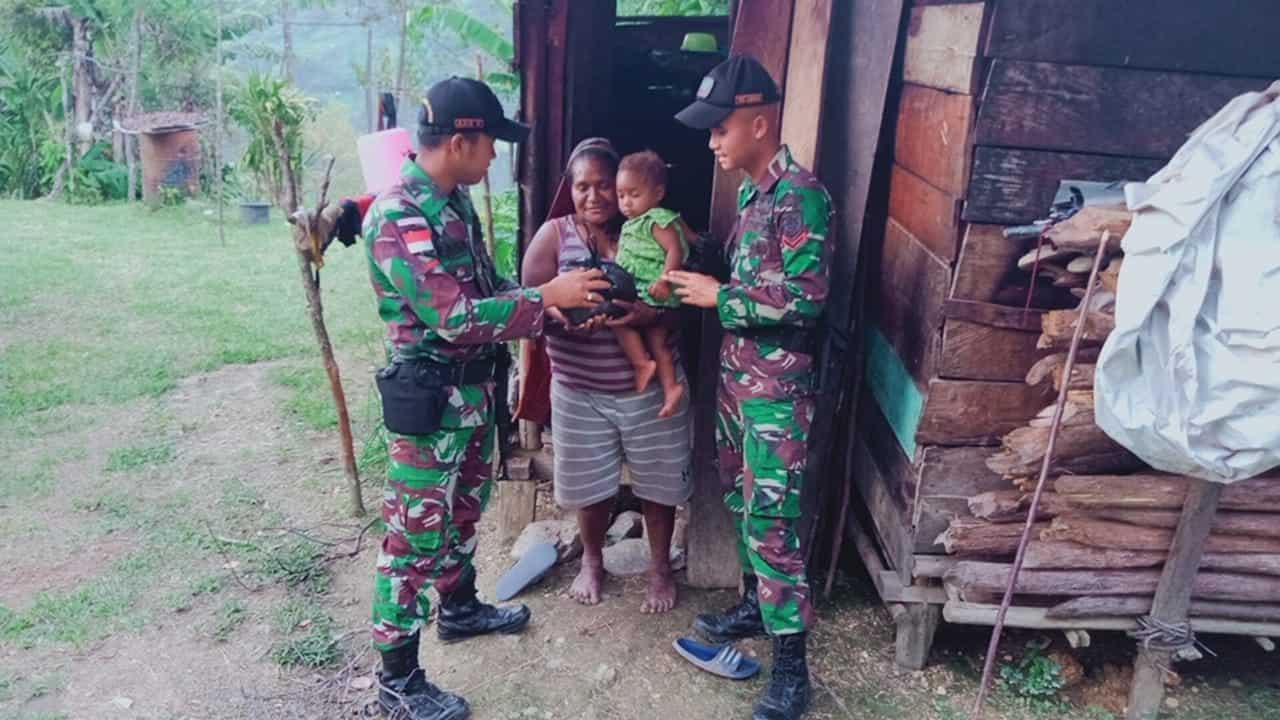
(413, 400)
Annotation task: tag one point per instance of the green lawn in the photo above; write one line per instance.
(107, 304)
(103, 310)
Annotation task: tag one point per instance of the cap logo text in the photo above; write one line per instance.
(468, 123)
(748, 98)
(704, 90)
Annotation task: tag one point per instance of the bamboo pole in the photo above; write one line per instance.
(220, 129)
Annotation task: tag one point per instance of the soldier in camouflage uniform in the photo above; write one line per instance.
(446, 310)
(778, 261)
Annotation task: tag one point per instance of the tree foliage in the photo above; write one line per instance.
(30, 108)
(673, 7)
(258, 105)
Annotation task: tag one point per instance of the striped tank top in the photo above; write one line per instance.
(595, 362)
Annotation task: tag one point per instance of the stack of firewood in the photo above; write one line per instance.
(1105, 520)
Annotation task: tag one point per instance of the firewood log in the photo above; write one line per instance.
(1126, 606)
(1047, 254)
(1045, 367)
(1065, 555)
(1110, 276)
(1163, 492)
(1083, 231)
(1081, 377)
(987, 577)
(1227, 522)
(1006, 506)
(1058, 326)
(1080, 447)
(1108, 534)
(969, 537)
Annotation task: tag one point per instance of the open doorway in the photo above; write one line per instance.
(600, 71)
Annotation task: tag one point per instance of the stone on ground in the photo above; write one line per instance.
(561, 533)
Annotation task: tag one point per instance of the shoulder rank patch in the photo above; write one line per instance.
(793, 230)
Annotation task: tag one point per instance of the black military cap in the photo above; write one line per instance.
(465, 105)
(741, 81)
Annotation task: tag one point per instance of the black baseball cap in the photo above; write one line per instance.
(741, 81)
(465, 105)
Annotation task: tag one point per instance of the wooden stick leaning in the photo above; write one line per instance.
(1007, 600)
(309, 233)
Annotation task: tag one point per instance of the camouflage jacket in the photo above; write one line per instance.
(779, 261)
(437, 287)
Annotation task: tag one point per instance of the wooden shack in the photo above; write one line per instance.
(936, 125)
(997, 102)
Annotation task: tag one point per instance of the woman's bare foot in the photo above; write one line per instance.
(586, 587)
(671, 398)
(644, 375)
(661, 595)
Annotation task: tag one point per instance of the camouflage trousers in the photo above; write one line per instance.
(762, 445)
(437, 486)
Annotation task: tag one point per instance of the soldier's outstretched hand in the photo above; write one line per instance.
(694, 288)
(574, 289)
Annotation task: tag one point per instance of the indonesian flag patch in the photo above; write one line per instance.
(418, 240)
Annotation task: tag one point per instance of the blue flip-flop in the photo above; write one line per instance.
(723, 660)
(532, 567)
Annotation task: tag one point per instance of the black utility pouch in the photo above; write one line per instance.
(412, 404)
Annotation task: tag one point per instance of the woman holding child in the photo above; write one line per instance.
(604, 408)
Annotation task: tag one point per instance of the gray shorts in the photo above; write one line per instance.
(593, 434)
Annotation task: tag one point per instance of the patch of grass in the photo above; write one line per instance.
(311, 401)
(238, 303)
(182, 600)
(27, 483)
(132, 458)
(305, 636)
(96, 609)
(230, 616)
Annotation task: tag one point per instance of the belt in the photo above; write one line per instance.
(474, 372)
(791, 339)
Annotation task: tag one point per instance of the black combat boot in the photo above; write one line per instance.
(738, 622)
(405, 694)
(787, 696)
(463, 616)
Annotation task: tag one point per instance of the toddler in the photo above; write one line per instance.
(652, 242)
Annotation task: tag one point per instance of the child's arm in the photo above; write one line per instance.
(669, 239)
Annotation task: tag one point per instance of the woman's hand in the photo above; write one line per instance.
(694, 288)
(638, 315)
(574, 289)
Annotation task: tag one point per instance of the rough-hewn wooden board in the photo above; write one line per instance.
(933, 136)
(948, 476)
(1012, 186)
(997, 316)
(1111, 111)
(864, 40)
(806, 79)
(972, 412)
(892, 527)
(986, 258)
(1156, 492)
(763, 29)
(1232, 37)
(943, 47)
(911, 288)
(926, 212)
(971, 351)
(1087, 607)
(987, 577)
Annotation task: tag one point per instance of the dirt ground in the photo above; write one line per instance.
(210, 655)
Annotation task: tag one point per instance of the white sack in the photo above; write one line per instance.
(1189, 381)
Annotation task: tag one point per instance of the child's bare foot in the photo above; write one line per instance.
(661, 595)
(671, 398)
(586, 587)
(644, 375)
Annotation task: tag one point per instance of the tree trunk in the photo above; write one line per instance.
(286, 31)
(81, 80)
(370, 104)
(131, 109)
(403, 7)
